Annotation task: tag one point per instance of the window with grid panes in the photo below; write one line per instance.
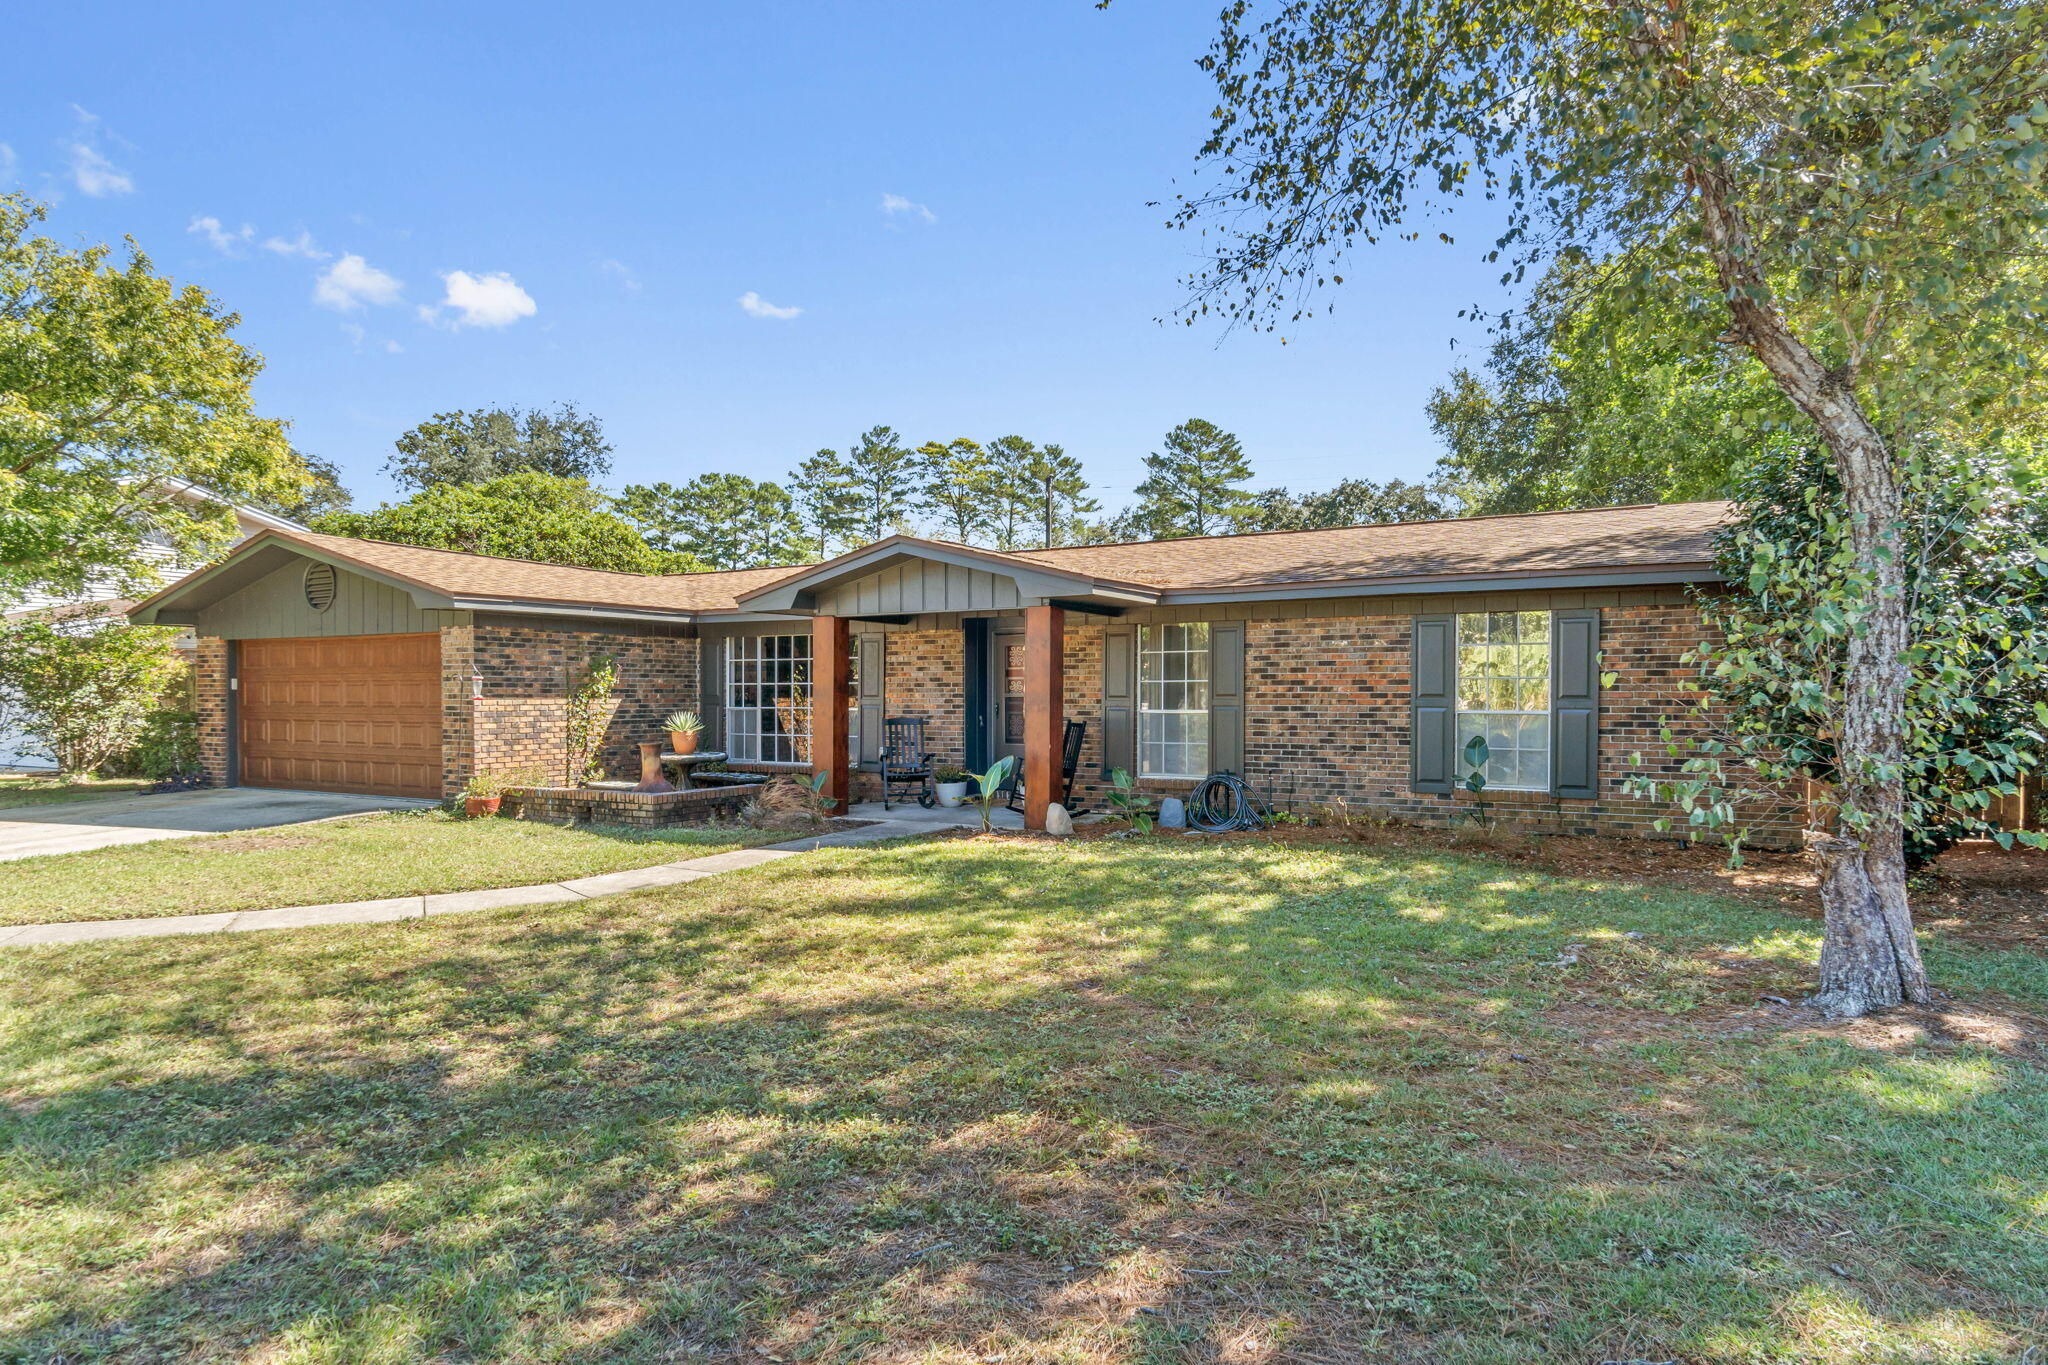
(1504, 695)
(1173, 700)
(768, 698)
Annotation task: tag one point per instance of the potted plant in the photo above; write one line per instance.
(952, 784)
(683, 729)
(482, 794)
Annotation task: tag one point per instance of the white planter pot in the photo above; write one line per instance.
(952, 794)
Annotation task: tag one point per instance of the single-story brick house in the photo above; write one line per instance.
(1349, 663)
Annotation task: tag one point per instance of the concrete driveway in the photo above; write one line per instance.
(66, 827)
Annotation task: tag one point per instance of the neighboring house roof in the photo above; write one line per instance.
(1667, 543)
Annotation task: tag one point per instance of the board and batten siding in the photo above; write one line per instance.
(275, 607)
(919, 586)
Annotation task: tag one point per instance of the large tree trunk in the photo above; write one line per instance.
(1869, 958)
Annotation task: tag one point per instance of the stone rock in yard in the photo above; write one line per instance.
(1173, 813)
(1057, 822)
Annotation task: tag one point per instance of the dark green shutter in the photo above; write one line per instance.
(1433, 681)
(869, 693)
(1575, 704)
(1119, 699)
(1226, 696)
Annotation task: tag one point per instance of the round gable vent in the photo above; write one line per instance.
(319, 586)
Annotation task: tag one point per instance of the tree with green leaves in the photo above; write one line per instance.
(1974, 531)
(321, 491)
(484, 443)
(1059, 494)
(526, 515)
(1352, 502)
(1192, 485)
(83, 684)
(1592, 398)
(1014, 504)
(116, 385)
(959, 486)
(728, 521)
(827, 500)
(1861, 184)
(885, 475)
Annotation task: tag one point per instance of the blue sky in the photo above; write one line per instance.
(424, 207)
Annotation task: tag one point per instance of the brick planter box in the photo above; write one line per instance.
(605, 806)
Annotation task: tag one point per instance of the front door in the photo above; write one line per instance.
(1006, 691)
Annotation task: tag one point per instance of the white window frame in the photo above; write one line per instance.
(1173, 666)
(765, 676)
(1498, 671)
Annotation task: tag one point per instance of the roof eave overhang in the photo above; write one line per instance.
(1408, 585)
(526, 607)
(1036, 583)
(263, 553)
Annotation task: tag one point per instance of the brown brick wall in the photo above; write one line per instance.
(210, 701)
(1326, 717)
(521, 721)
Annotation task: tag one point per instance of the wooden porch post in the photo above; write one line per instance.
(831, 692)
(1044, 683)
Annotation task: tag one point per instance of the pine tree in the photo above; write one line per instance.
(827, 500)
(959, 485)
(1058, 492)
(1192, 488)
(885, 476)
(727, 520)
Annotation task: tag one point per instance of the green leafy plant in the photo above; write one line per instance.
(85, 688)
(1126, 800)
(167, 747)
(589, 715)
(950, 772)
(815, 786)
(1477, 751)
(684, 723)
(988, 786)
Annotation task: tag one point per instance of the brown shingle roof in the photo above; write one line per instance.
(1606, 538)
(1609, 538)
(459, 574)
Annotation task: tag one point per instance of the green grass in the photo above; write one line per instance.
(1141, 1102)
(36, 789)
(404, 853)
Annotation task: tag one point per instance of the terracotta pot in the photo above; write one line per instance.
(476, 806)
(684, 743)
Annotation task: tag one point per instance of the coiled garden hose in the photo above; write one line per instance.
(1222, 802)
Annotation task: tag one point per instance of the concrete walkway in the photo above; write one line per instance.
(101, 822)
(418, 907)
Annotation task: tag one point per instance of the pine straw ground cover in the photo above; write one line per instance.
(1006, 1099)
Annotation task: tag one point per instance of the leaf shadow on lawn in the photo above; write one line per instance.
(1060, 1102)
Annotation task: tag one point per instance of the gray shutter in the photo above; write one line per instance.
(1433, 681)
(1575, 704)
(1119, 699)
(1226, 696)
(874, 676)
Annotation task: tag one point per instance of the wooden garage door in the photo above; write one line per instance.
(353, 713)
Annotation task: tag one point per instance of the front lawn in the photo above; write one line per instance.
(403, 853)
(39, 789)
(1141, 1101)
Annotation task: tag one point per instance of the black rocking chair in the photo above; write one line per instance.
(905, 760)
(1070, 762)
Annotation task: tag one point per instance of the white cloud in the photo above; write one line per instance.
(91, 171)
(391, 347)
(758, 307)
(225, 242)
(893, 204)
(493, 300)
(351, 282)
(6, 163)
(301, 245)
(621, 272)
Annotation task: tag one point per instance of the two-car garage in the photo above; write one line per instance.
(347, 713)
